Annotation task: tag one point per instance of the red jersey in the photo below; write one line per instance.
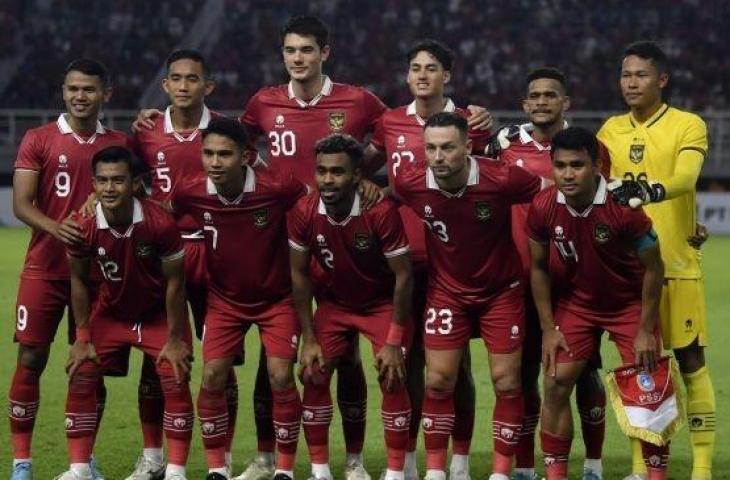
(399, 133)
(352, 251)
(533, 156)
(63, 162)
(292, 126)
(597, 247)
(470, 250)
(246, 243)
(172, 156)
(130, 258)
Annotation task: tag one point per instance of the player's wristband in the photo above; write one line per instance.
(83, 335)
(395, 335)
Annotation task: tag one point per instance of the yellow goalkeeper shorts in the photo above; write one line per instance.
(682, 313)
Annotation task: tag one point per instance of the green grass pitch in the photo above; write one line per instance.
(120, 438)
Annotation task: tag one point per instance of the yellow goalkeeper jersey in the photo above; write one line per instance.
(668, 146)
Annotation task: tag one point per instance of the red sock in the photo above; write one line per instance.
(396, 412)
(592, 410)
(232, 405)
(213, 425)
(438, 422)
(555, 450)
(352, 400)
(316, 419)
(151, 404)
(262, 409)
(656, 460)
(525, 450)
(507, 418)
(178, 419)
(23, 400)
(81, 413)
(287, 417)
(100, 404)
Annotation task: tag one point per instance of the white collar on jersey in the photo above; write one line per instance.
(102, 224)
(65, 129)
(526, 137)
(326, 91)
(249, 186)
(411, 110)
(473, 179)
(204, 120)
(599, 199)
(354, 211)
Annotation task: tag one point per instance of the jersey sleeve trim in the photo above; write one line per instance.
(298, 247)
(397, 252)
(701, 151)
(173, 256)
(26, 169)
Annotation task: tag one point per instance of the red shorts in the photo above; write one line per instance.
(500, 320)
(278, 327)
(39, 310)
(335, 327)
(582, 331)
(196, 280)
(113, 339)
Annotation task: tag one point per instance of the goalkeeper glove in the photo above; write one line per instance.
(636, 193)
(501, 140)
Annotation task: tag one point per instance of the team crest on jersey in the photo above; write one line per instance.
(261, 218)
(362, 242)
(336, 121)
(482, 211)
(601, 233)
(143, 250)
(636, 152)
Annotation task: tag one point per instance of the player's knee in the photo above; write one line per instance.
(214, 376)
(690, 358)
(440, 381)
(556, 391)
(33, 358)
(281, 379)
(506, 377)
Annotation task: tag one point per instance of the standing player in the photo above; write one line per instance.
(239, 205)
(614, 271)
(292, 117)
(398, 140)
(474, 281)
(171, 149)
(140, 303)
(52, 179)
(545, 105)
(660, 150)
(368, 291)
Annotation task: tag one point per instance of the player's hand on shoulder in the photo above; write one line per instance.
(645, 350)
(501, 140)
(699, 237)
(479, 118)
(88, 209)
(370, 194)
(177, 353)
(79, 353)
(553, 341)
(145, 119)
(390, 364)
(68, 231)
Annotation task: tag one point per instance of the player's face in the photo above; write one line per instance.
(575, 173)
(223, 160)
(447, 151)
(302, 57)
(335, 177)
(641, 83)
(113, 184)
(426, 76)
(546, 102)
(84, 94)
(186, 84)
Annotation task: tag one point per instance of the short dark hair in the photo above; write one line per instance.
(548, 72)
(341, 143)
(193, 55)
(575, 138)
(89, 67)
(438, 50)
(228, 128)
(649, 50)
(449, 119)
(117, 154)
(307, 26)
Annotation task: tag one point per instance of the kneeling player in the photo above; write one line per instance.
(612, 283)
(368, 291)
(140, 303)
